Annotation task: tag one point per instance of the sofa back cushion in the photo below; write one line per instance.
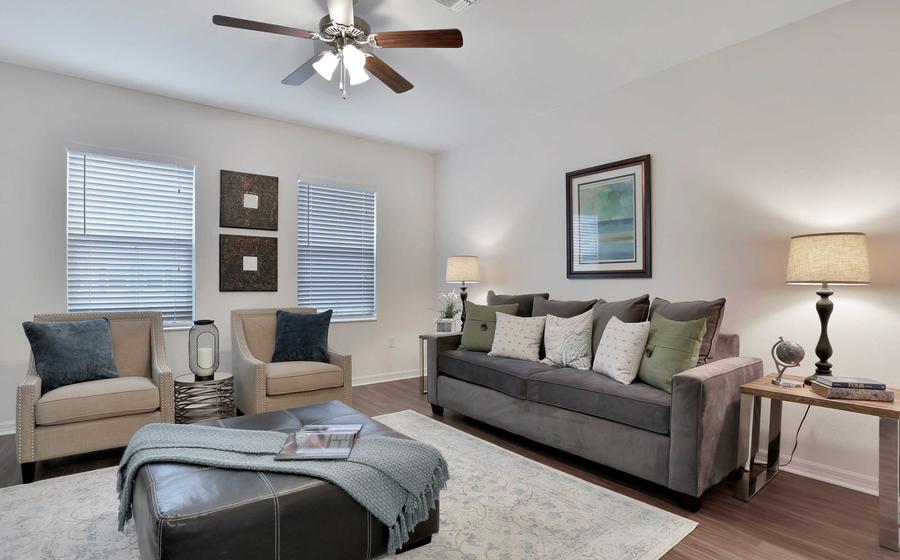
(525, 301)
(481, 322)
(560, 308)
(713, 311)
(634, 310)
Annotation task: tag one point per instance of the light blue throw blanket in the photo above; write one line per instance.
(397, 480)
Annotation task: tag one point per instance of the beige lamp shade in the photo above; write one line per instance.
(828, 258)
(463, 268)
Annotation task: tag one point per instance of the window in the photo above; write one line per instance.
(336, 250)
(130, 236)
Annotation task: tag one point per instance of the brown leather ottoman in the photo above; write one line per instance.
(193, 513)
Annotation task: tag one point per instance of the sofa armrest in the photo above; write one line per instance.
(434, 345)
(27, 394)
(162, 377)
(249, 372)
(345, 362)
(704, 422)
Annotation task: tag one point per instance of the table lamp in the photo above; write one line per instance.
(462, 269)
(827, 259)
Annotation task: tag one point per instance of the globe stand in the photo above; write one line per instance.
(784, 359)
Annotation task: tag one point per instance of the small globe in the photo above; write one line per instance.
(789, 353)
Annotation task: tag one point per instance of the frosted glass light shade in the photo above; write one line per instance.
(355, 62)
(326, 65)
(828, 258)
(463, 268)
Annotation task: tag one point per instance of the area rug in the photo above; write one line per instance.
(497, 506)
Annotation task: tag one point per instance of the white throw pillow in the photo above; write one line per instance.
(518, 337)
(567, 341)
(621, 349)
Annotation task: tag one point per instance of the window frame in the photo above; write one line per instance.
(102, 151)
(325, 183)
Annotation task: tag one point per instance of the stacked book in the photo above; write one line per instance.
(852, 388)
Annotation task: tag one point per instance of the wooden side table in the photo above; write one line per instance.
(196, 401)
(888, 414)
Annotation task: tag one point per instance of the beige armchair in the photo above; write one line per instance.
(261, 386)
(101, 414)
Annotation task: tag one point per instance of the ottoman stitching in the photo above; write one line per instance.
(159, 520)
(277, 516)
(368, 535)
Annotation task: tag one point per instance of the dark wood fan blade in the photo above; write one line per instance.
(426, 39)
(386, 74)
(300, 75)
(260, 26)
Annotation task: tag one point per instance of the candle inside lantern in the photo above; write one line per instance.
(205, 357)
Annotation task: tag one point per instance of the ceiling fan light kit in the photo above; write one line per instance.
(346, 36)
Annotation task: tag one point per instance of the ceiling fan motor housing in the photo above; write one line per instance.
(330, 30)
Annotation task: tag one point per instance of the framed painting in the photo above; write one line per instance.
(608, 220)
(248, 264)
(248, 201)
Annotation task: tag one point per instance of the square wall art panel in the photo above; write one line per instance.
(248, 264)
(248, 201)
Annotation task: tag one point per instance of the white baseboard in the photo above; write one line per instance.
(7, 428)
(825, 473)
(384, 377)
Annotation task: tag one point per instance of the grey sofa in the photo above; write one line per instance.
(686, 441)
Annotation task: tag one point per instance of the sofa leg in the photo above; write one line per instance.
(688, 502)
(415, 545)
(27, 473)
(437, 410)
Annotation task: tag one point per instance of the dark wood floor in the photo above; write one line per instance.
(793, 518)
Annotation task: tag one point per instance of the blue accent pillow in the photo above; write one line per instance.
(301, 337)
(71, 351)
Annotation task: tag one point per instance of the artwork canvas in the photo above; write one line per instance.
(248, 264)
(248, 201)
(608, 225)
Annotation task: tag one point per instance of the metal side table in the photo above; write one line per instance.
(196, 401)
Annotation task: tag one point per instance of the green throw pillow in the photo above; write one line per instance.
(672, 347)
(481, 321)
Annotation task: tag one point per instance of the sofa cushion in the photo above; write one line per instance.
(712, 311)
(92, 400)
(637, 404)
(501, 374)
(560, 308)
(299, 377)
(634, 310)
(301, 336)
(525, 301)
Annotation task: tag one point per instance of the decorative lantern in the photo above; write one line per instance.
(203, 349)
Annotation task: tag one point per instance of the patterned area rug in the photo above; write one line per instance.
(498, 505)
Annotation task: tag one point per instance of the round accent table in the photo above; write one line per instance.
(196, 401)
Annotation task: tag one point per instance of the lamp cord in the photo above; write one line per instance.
(796, 438)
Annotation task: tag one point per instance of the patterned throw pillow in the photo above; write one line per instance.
(517, 337)
(568, 341)
(621, 349)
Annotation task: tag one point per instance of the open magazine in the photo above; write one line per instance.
(320, 441)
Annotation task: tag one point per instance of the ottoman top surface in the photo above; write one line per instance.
(188, 490)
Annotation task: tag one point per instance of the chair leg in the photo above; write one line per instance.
(27, 473)
(437, 410)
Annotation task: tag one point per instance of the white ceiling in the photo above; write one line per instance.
(521, 57)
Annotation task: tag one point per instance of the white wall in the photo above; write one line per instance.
(42, 113)
(795, 131)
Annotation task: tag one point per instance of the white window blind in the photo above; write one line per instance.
(336, 250)
(130, 236)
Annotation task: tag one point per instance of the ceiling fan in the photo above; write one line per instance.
(346, 42)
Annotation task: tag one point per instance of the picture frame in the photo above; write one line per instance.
(248, 263)
(608, 220)
(248, 201)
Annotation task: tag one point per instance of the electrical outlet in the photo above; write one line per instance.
(391, 342)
